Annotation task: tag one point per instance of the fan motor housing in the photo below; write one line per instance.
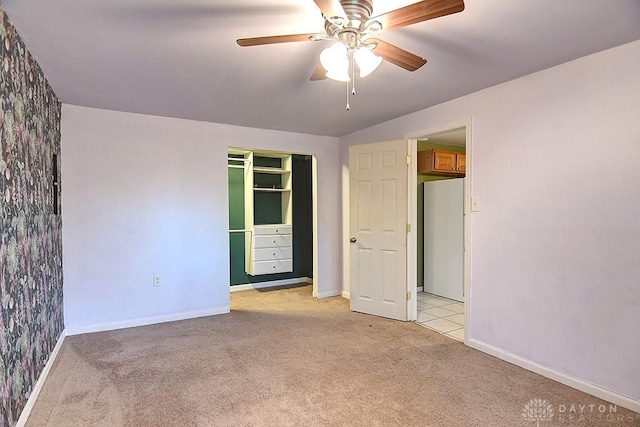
(357, 10)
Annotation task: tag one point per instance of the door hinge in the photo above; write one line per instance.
(408, 228)
(408, 160)
(408, 295)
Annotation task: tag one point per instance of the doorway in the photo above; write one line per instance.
(272, 219)
(442, 194)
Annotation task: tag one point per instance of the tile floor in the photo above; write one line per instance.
(441, 315)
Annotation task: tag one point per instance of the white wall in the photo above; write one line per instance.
(555, 261)
(145, 195)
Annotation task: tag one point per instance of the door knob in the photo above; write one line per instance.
(352, 240)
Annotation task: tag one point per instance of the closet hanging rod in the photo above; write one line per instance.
(240, 231)
(235, 166)
(238, 159)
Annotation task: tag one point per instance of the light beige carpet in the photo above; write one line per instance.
(282, 358)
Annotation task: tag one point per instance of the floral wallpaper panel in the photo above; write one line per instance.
(30, 241)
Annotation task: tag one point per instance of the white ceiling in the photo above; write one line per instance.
(456, 137)
(179, 58)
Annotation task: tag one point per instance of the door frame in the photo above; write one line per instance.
(412, 239)
(314, 210)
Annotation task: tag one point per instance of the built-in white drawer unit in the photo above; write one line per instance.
(272, 241)
(272, 229)
(272, 267)
(272, 249)
(268, 254)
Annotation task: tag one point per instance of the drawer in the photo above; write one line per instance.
(268, 254)
(270, 267)
(271, 229)
(272, 241)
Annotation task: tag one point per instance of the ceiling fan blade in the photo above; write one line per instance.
(319, 73)
(257, 41)
(418, 12)
(332, 9)
(397, 56)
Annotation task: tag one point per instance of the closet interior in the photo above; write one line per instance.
(270, 217)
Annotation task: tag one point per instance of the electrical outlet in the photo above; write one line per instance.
(157, 280)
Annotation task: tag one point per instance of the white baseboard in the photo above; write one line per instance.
(146, 321)
(592, 389)
(420, 289)
(270, 284)
(334, 293)
(33, 396)
(346, 294)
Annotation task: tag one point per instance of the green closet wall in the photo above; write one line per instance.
(301, 175)
(236, 222)
(267, 207)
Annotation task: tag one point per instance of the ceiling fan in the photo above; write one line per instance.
(349, 24)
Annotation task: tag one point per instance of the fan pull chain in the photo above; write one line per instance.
(348, 108)
(353, 74)
(353, 80)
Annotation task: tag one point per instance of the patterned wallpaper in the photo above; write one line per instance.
(31, 244)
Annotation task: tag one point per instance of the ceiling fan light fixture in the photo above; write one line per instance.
(341, 76)
(318, 37)
(367, 61)
(334, 59)
(337, 20)
(373, 27)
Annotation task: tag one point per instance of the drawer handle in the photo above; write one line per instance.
(274, 241)
(274, 266)
(274, 254)
(276, 230)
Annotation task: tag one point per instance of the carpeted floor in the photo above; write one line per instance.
(282, 358)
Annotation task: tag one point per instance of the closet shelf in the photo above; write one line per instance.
(274, 171)
(273, 190)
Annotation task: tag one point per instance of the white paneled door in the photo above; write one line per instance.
(378, 228)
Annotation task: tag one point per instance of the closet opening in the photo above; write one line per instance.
(272, 219)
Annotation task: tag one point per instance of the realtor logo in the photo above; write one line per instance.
(537, 410)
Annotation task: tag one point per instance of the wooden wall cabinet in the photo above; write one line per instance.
(442, 162)
(461, 162)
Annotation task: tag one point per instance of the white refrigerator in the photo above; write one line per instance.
(444, 238)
